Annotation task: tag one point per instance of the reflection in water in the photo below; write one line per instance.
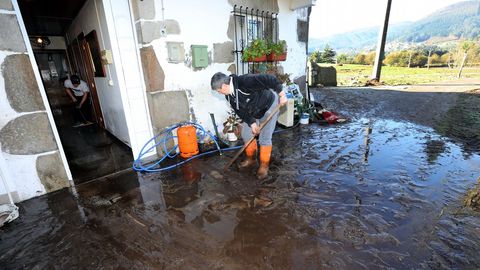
(433, 149)
(368, 131)
(325, 207)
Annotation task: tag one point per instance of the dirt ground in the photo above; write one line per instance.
(383, 191)
(451, 108)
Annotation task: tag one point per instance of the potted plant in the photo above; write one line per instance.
(277, 51)
(256, 52)
(232, 127)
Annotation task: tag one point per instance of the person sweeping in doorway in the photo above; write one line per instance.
(253, 98)
(78, 92)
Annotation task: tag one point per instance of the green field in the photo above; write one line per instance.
(358, 75)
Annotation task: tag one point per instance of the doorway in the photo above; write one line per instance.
(91, 150)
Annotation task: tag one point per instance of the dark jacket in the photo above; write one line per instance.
(252, 91)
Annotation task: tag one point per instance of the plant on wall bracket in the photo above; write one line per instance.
(277, 51)
(256, 52)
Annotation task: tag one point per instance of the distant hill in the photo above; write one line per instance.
(460, 20)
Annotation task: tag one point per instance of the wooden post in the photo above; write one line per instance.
(410, 59)
(428, 59)
(377, 68)
(463, 63)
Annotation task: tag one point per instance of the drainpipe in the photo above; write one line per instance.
(306, 54)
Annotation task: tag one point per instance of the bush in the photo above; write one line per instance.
(397, 59)
(400, 59)
(418, 60)
(359, 59)
(344, 58)
(370, 58)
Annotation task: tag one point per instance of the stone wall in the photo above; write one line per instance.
(31, 161)
(210, 24)
(321, 76)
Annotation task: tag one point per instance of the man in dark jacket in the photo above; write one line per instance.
(253, 97)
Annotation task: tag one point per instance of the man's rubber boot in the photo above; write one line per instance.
(251, 152)
(265, 154)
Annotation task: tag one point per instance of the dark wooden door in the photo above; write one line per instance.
(84, 67)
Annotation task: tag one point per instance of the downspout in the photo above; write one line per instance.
(306, 53)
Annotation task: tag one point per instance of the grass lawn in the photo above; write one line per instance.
(358, 75)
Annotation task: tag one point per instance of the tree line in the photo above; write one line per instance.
(464, 53)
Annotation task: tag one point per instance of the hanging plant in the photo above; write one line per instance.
(256, 52)
(277, 51)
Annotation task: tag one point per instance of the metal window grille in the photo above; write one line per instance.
(251, 24)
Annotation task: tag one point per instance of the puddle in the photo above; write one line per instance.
(372, 193)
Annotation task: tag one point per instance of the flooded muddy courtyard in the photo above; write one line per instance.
(384, 190)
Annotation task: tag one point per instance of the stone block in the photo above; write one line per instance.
(20, 84)
(168, 108)
(6, 4)
(302, 31)
(172, 27)
(222, 52)
(150, 31)
(327, 76)
(152, 71)
(143, 9)
(231, 28)
(9, 28)
(27, 135)
(232, 69)
(51, 172)
(301, 82)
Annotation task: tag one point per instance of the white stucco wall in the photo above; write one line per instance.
(206, 24)
(92, 17)
(126, 55)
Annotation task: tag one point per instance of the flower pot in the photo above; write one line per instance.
(262, 58)
(231, 136)
(274, 57)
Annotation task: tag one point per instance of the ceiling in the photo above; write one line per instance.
(49, 17)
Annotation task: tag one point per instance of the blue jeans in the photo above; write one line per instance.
(265, 137)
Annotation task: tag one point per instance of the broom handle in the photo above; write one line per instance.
(253, 138)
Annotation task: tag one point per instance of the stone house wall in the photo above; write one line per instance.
(178, 92)
(29, 155)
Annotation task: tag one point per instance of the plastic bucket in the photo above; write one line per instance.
(304, 118)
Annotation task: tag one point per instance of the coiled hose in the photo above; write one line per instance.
(155, 167)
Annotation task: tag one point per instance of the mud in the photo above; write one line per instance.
(383, 191)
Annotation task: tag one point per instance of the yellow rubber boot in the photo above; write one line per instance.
(265, 154)
(251, 152)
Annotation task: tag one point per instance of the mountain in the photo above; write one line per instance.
(460, 20)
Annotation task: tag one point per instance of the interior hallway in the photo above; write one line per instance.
(91, 151)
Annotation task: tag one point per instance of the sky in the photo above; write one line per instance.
(331, 17)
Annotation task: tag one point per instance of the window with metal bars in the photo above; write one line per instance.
(251, 24)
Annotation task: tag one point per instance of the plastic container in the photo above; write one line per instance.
(304, 118)
(187, 141)
(232, 137)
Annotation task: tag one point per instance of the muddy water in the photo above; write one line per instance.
(370, 194)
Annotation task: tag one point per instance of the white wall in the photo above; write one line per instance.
(128, 68)
(92, 17)
(206, 24)
(195, 30)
